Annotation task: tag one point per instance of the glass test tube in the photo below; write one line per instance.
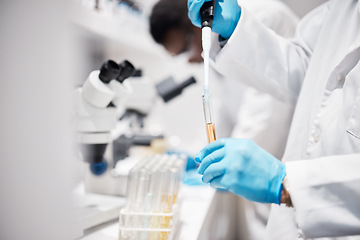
(129, 220)
(210, 126)
(132, 186)
(157, 206)
(179, 167)
(145, 196)
(168, 196)
(143, 180)
(149, 196)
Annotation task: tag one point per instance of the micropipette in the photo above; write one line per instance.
(207, 16)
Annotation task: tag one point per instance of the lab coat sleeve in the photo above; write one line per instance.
(259, 57)
(326, 195)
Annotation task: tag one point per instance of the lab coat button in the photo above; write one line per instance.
(316, 136)
(341, 78)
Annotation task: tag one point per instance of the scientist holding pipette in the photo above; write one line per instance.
(318, 71)
(246, 112)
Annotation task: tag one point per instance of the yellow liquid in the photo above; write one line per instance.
(174, 198)
(155, 223)
(166, 220)
(210, 131)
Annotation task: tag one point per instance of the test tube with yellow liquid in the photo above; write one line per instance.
(160, 182)
(210, 126)
(168, 197)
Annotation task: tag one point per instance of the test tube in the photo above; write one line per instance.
(132, 185)
(180, 168)
(128, 220)
(132, 193)
(151, 168)
(168, 197)
(160, 183)
(210, 126)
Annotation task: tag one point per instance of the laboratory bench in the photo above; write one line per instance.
(199, 216)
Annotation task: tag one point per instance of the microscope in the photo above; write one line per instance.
(116, 95)
(96, 111)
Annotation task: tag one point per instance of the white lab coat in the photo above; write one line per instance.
(319, 71)
(244, 112)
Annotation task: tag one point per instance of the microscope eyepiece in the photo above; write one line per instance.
(109, 71)
(126, 70)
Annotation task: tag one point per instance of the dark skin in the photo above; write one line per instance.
(176, 41)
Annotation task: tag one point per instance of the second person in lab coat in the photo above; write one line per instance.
(319, 71)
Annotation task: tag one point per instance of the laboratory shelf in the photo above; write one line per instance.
(125, 27)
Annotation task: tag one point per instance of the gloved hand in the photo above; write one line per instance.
(226, 16)
(192, 178)
(243, 168)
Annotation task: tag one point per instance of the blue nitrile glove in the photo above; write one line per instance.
(242, 167)
(192, 178)
(226, 16)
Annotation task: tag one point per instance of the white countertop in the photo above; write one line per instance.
(195, 206)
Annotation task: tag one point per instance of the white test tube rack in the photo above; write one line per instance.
(146, 224)
(132, 231)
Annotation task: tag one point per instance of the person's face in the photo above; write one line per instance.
(178, 41)
(175, 41)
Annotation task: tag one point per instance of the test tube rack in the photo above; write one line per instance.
(147, 231)
(153, 200)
